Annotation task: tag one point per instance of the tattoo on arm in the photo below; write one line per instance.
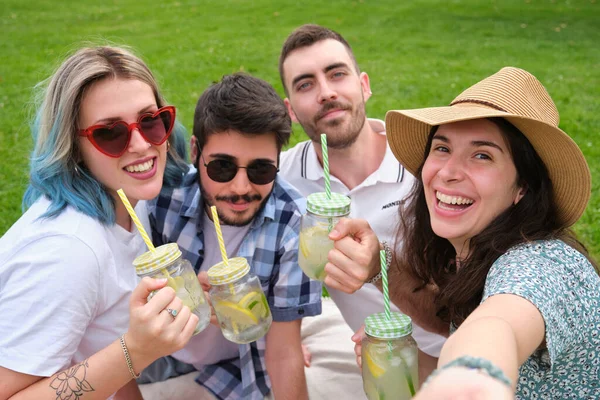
(71, 384)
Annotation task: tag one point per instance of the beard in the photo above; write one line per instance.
(240, 220)
(340, 135)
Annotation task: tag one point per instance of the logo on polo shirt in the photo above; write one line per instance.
(392, 204)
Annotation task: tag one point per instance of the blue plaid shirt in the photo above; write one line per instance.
(271, 248)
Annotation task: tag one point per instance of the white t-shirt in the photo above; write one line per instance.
(210, 346)
(65, 284)
(376, 199)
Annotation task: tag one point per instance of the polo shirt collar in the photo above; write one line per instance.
(389, 171)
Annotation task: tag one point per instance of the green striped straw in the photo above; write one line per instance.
(326, 172)
(325, 165)
(384, 280)
(386, 294)
(388, 316)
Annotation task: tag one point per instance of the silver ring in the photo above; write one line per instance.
(172, 312)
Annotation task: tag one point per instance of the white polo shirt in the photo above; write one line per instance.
(376, 199)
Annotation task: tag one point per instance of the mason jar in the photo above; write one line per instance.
(239, 301)
(389, 357)
(166, 262)
(322, 214)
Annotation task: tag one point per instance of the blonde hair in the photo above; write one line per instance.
(55, 169)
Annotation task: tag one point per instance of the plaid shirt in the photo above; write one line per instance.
(271, 248)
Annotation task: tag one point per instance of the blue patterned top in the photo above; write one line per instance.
(271, 248)
(565, 288)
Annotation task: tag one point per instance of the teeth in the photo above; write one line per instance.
(444, 198)
(140, 167)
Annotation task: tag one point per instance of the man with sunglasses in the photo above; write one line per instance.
(326, 93)
(240, 126)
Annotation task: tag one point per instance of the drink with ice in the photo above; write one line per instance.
(239, 301)
(389, 358)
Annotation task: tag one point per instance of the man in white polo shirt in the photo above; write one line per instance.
(326, 93)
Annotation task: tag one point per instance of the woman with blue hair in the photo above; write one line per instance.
(75, 319)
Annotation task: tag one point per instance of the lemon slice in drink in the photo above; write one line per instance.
(312, 235)
(256, 303)
(303, 245)
(233, 311)
(375, 369)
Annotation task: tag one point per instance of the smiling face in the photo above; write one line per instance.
(239, 200)
(139, 171)
(326, 93)
(469, 179)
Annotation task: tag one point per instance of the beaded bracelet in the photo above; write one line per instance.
(476, 363)
(388, 261)
(128, 359)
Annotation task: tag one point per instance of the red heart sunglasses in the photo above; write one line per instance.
(114, 139)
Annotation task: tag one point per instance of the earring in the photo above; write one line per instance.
(168, 145)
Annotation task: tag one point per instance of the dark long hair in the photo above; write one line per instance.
(432, 259)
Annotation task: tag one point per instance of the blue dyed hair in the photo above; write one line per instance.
(56, 169)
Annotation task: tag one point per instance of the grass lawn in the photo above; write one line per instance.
(417, 53)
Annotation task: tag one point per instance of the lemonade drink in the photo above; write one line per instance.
(314, 247)
(389, 363)
(384, 372)
(239, 302)
(322, 213)
(243, 318)
(166, 262)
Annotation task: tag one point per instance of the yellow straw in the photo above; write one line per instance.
(140, 227)
(213, 209)
(136, 220)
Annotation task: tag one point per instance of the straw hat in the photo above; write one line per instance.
(518, 97)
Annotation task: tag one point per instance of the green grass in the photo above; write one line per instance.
(417, 53)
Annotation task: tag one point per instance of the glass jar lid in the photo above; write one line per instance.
(220, 273)
(160, 258)
(377, 325)
(338, 205)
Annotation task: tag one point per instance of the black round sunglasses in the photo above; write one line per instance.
(222, 170)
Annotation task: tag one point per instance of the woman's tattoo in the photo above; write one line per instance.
(71, 384)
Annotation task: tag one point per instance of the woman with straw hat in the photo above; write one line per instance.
(68, 289)
(486, 239)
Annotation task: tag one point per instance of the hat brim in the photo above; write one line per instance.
(408, 130)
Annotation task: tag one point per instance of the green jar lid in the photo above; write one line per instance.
(220, 273)
(377, 325)
(152, 261)
(338, 205)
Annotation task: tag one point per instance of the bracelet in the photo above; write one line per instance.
(128, 359)
(476, 363)
(388, 261)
